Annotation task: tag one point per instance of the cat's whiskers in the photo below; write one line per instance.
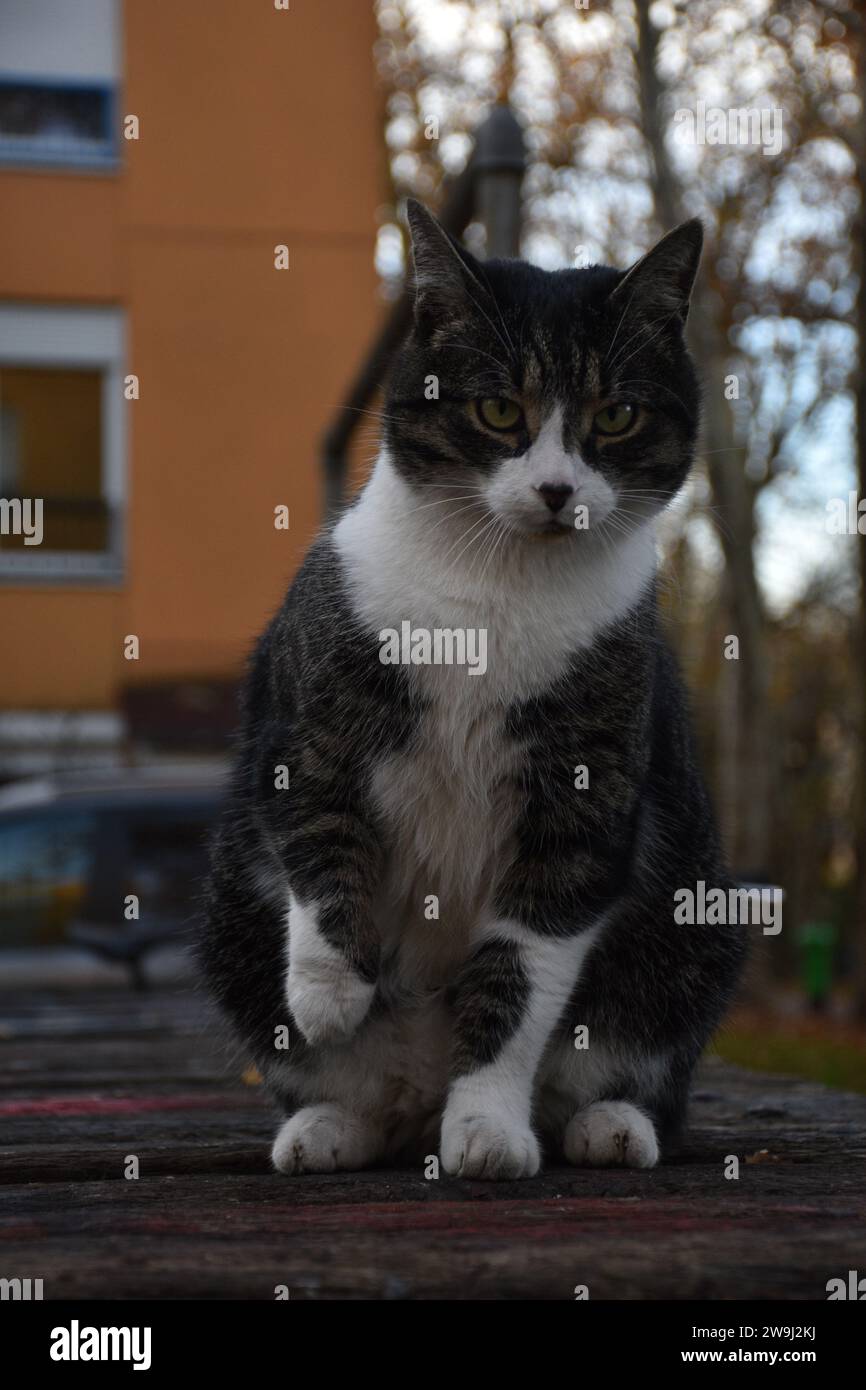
(656, 386)
(618, 327)
(437, 501)
(604, 539)
(714, 511)
(501, 318)
(620, 361)
(485, 289)
(731, 449)
(504, 531)
(489, 538)
(374, 414)
(436, 523)
(485, 522)
(470, 347)
(418, 483)
(463, 492)
(613, 524)
(662, 498)
(481, 540)
(422, 484)
(642, 330)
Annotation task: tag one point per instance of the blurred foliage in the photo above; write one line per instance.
(813, 1049)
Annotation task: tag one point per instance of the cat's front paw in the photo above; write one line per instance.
(324, 1138)
(488, 1146)
(328, 1000)
(611, 1134)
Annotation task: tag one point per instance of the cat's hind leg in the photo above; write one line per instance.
(374, 1098)
(611, 1134)
(612, 1107)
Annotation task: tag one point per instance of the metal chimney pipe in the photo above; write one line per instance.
(499, 162)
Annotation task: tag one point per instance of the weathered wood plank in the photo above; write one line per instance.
(238, 1237)
(89, 1080)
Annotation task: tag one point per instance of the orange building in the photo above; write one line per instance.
(163, 381)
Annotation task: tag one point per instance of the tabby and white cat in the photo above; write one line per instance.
(472, 869)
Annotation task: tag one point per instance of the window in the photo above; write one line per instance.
(59, 66)
(65, 873)
(62, 443)
(167, 864)
(50, 447)
(45, 864)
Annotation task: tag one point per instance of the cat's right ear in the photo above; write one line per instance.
(663, 279)
(447, 279)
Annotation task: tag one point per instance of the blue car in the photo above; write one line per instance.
(99, 872)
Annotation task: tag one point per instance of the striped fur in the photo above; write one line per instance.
(438, 900)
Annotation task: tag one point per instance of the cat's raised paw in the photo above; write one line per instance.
(328, 1000)
(611, 1134)
(323, 1138)
(484, 1146)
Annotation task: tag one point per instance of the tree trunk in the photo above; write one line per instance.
(859, 662)
(750, 743)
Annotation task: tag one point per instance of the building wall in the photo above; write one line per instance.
(257, 127)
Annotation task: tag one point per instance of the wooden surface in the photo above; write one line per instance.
(87, 1080)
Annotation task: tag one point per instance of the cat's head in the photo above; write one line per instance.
(558, 402)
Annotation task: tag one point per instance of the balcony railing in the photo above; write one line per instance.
(80, 536)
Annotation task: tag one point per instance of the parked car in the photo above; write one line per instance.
(100, 871)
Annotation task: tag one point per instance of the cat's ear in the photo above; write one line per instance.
(447, 278)
(662, 280)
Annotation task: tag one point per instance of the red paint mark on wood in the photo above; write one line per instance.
(548, 1220)
(119, 1105)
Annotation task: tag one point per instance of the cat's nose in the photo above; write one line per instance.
(555, 495)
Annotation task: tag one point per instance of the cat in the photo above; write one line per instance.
(440, 911)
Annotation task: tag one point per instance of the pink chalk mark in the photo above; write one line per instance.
(117, 1105)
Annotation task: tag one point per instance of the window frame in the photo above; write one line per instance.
(18, 154)
(75, 337)
(46, 818)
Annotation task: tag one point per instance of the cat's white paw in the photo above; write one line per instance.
(327, 999)
(611, 1134)
(488, 1146)
(323, 1138)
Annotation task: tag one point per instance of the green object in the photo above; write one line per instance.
(817, 942)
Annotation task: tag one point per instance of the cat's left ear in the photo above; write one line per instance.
(447, 278)
(663, 279)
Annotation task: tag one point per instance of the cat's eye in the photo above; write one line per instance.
(499, 413)
(615, 418)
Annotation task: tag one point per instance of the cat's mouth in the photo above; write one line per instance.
(547, 530)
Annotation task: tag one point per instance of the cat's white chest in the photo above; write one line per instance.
(449, 809)
(449, 801)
